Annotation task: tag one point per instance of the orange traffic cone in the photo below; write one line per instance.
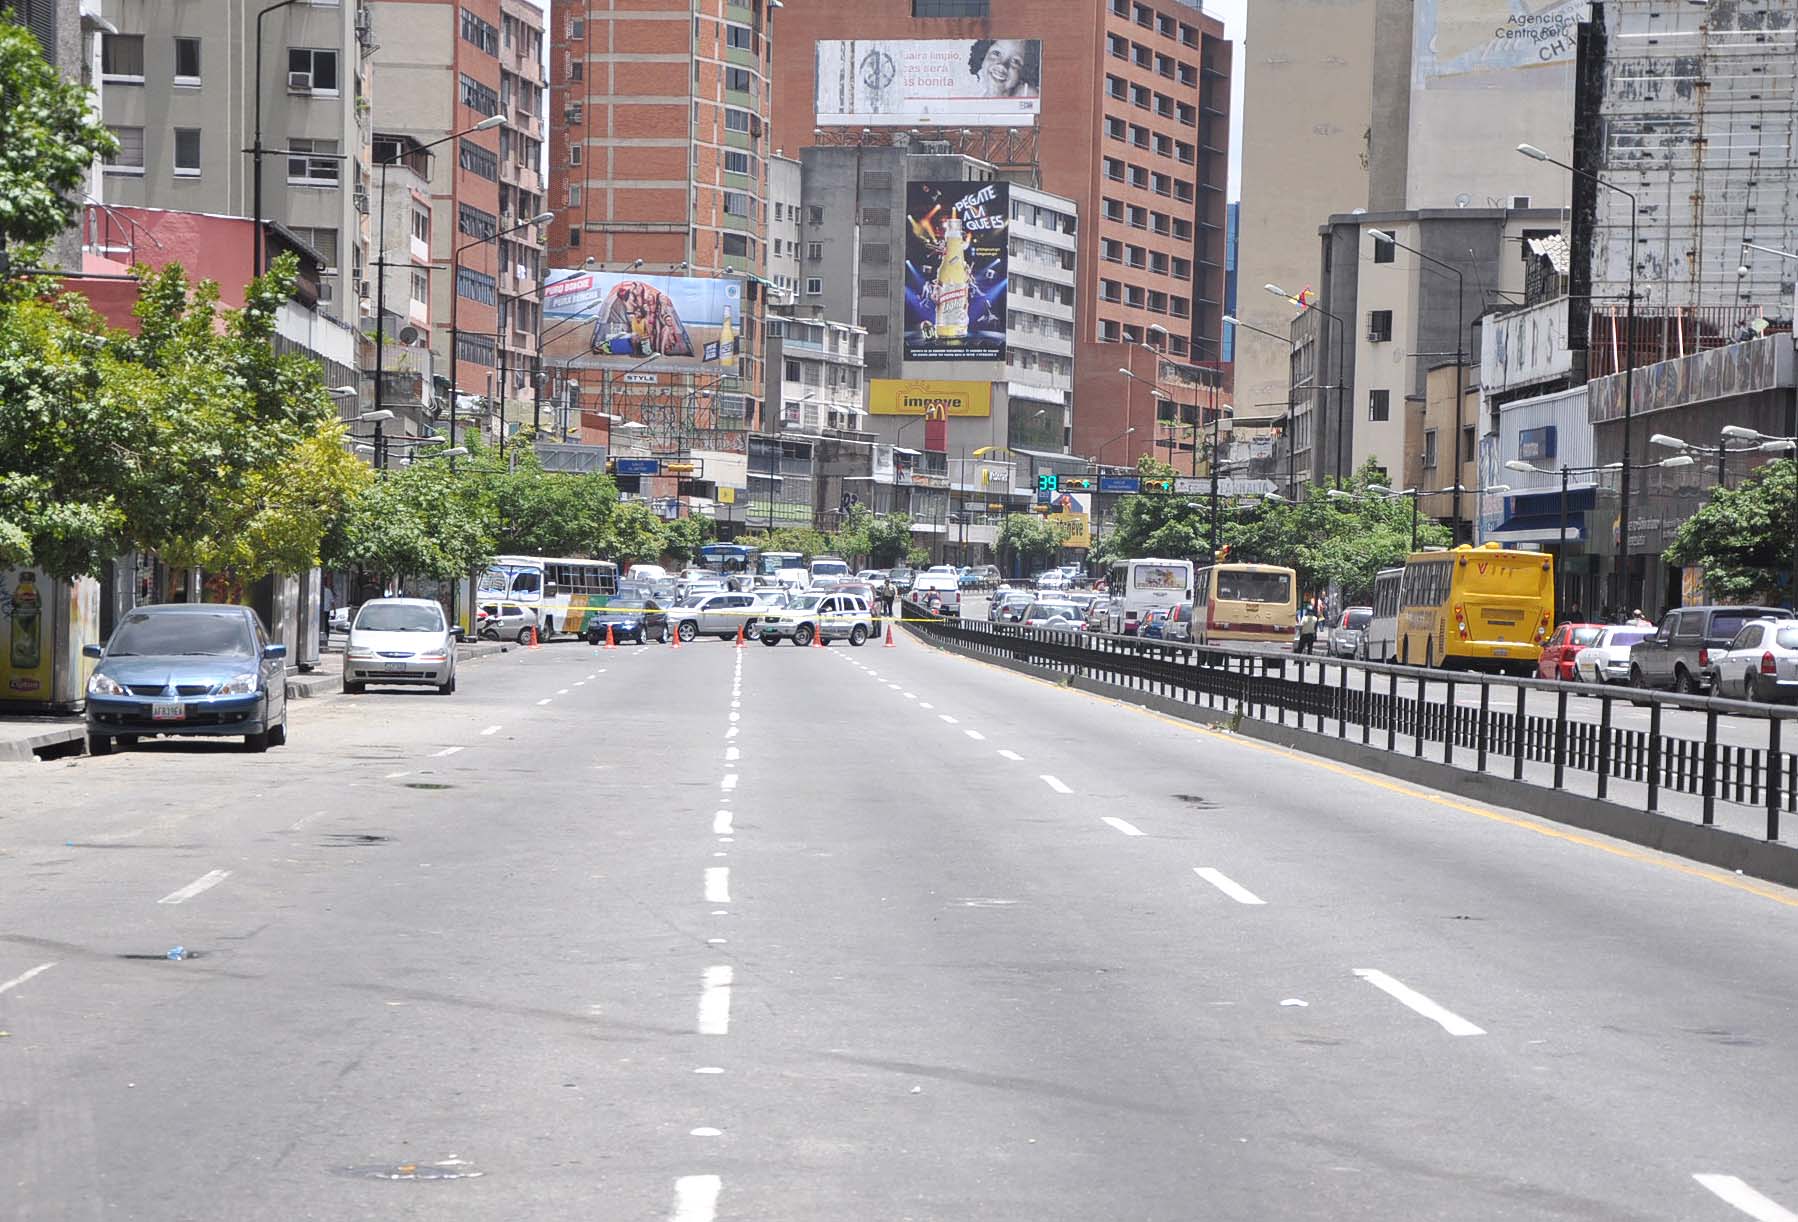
(818, 635)
(889, 643)
(740, 625)
(610, 643)
(534, 644)
(674, 639)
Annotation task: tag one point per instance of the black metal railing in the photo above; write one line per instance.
(1521, 727)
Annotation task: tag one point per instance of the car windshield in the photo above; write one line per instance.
(806, 602)
(1586, 636)
(624, 606)
(399, 617)
(694, 600)
(1725, 624)
(145, 632)
(1253, 587)
(1359, 617)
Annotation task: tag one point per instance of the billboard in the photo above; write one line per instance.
(629, 320)
(923, 397)
(956, 82)
(955, 270)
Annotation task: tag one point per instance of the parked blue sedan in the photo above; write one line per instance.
(188, 669)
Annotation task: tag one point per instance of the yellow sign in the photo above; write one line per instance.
(921, 397)
(1076, 528)
(727, 496)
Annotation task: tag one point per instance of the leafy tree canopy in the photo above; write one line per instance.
(48, 140)
(1742, 536)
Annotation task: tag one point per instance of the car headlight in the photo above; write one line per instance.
(358, 653)
(105, 685)
(239, 685)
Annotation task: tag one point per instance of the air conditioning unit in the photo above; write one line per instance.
(361, 201)
(1519, 202)
(755, 125)
(299, 82)
(410, 335)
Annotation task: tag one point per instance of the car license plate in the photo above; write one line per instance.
(394, 666)
(168, 712)
(1501, 653)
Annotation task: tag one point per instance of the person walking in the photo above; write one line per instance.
(1307, 628)
(327, 603)
(888, 592)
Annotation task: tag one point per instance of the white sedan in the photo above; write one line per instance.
(1606, 660)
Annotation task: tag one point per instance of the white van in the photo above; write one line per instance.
(829, 566)
(945, 585)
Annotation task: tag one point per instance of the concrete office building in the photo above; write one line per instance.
(178, 90)
(1134, 130)
(660, 152)
(69, 32)
(441, 67)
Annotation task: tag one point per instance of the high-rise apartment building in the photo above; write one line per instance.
(441, 68)
(179, 90)
(659, 149)
(1133, 128)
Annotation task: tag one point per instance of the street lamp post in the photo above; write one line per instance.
(256, 149)
(1386, 235)
(487, 124)
(542, 218)
(1292, 461)
(1341, 368)
(1623, 575)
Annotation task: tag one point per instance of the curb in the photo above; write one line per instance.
(24, 750)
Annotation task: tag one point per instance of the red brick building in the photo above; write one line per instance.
(1135, 126)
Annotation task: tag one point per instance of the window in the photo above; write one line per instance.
(792, 371)
(471, 221)
(1144, 16)
(478, 161)
(1139, 217)
(319, 170)
(130, 157)
(1182, 190)
(1379, 405)
(1114, 87)
(474, 348)
(421, 286)
(1182, 268)
(1188, 35)
(1379, 326)
(187, 61)
(1139, 96)
(1164, 66)
(1108, 331)
(738, 37)
(1383, 252)
(1159, 222)
(1468, 447)
(739, 203)
(577, 27)
(479, 33)
(577, 70)
(814, 250)
(312, 70)
(736, 162)
(736, 120)
(1118, 46)
(814, 287)
(1135, 256)
(1189, 75)
(1164, 25)
(122, 57)
(1183, 152)
(740, 79)
(814, 215)
(1114, 127)
(1111, 250)
(1114, 210)
(574, 194)
(187, 152)
(1182, 229)
(324, 241)
(477, 96)
(476, 286)
(1133, 295)
(574, 237)
(1158, 263)
(735, 244)
(1139, 54)
(574, 154)
(949, 8)
(1180, 307)
(1110, 290)
(1114, 169)
(1429, 449)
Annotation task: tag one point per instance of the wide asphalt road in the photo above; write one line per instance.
(809, 935)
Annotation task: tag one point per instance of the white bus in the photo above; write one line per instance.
(1379, 641)
(1137, 587)
(561, 591)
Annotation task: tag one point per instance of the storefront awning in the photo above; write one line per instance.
(1539, 528)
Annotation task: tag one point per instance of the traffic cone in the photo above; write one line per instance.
(889, 643)
(534, 644)
(674, 637)
(610, 643)
(818, 635)
(739, 634)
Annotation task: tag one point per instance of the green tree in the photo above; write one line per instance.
(683, 537)
(850, 540)
(421, 520)
(1742, 536)
(48, 140)
(635, 535)
(889, 537)
(802, 539)
(543, 513)
(1030, 538)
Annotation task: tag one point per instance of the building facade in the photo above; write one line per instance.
(179, 90)
(1134, 130)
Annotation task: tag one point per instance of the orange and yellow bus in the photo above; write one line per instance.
(1476, 608)
(1245, 604)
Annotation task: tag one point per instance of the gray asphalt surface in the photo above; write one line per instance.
(961, 965)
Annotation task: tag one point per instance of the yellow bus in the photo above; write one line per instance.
(1476, 608)
(1235, 603)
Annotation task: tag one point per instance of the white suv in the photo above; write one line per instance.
(842, 617)
(944, 585)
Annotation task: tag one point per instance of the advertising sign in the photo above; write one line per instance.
(27, 635)
(959, 82)
(924, 397)
(1455, 46)
(628, 320)
(955, 270)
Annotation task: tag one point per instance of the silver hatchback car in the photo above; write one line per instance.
(404, 641)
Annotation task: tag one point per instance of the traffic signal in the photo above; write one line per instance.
(1222, 555)
(1158, 485)
(1076, 483)
(679, 468)
(1046, 482)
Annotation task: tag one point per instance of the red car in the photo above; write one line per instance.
(1560, 649)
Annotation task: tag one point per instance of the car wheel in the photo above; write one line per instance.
(256, 744)
(277, 735)
(447, 689)
(99, 744)
(688, 631)
(524, 635)
(664, 637)
(768, 638)
(1748, 693)
(802, 635)
(858, 636)
(1683, 682)
(354, 689)
(548, 631)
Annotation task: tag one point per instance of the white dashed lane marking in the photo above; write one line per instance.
(1228, 886)
(205, 882)
(1055, 784)
(1448, 1020)
(976, 735)
(714, 1001)
(1737, 1193)
(1013, 756)
(1129, 829)
(22, 977)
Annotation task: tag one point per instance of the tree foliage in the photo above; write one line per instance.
(1742, 537)
(48, 140)
(636, 535)
(538, 512)
(1031, 538)
(888, 539)
(421, 520)
(683, 537)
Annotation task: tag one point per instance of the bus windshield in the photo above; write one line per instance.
(1250, 586)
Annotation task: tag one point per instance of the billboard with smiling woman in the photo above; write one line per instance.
(958, 82)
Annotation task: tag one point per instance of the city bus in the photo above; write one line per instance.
(791, 565)
(1379, 639)
(561, 591)
(1138, 587)
(729, 558)
(1476, 608)
(1245, 604)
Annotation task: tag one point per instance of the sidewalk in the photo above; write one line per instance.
(21, 738)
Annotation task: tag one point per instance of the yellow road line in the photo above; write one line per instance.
(1779, 896)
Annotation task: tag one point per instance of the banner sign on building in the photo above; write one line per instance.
(936, 400)
(628, 320)
(954, 82)
(955, 270)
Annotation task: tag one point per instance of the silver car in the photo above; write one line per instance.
(1761, 663)
(719, 615)
(404, 641)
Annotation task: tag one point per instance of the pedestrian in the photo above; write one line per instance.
(327, 603)
(1307, 628)
(887, 593)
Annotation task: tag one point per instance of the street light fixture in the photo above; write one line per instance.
(542, 218)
